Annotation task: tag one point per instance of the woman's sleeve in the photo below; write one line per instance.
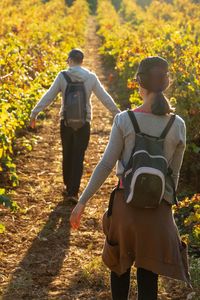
(104, 167)
(178, 155)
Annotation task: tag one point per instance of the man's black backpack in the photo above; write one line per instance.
(74, 103)
(144, 177)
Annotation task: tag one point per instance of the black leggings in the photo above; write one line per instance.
(147, 283)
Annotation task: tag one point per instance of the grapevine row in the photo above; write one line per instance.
(35, 39)
(170, 30)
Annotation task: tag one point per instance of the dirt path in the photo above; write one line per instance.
(42, 258)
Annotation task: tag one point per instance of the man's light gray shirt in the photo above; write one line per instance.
(92, 84)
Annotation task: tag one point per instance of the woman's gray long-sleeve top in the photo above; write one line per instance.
(121, 143)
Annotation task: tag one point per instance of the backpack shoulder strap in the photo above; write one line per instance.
(67, 77)
(168, 126)
(133, 121)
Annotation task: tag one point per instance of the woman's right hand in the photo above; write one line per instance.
(76, 214)
(32, 123)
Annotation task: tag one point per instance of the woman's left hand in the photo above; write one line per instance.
(76, 214)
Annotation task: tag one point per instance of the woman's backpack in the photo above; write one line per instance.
(144, 177)
(74, 103)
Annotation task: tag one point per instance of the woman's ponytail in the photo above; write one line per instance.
(161, 105)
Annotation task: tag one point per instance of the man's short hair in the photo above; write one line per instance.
(76, 55)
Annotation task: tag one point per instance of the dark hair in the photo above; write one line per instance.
(76, 55)
(153, 75)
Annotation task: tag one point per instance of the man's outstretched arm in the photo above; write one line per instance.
(46, 99)
(105, 98)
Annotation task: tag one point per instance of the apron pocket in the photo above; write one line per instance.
(110, 254)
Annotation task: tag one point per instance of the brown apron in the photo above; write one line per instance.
(148, 237)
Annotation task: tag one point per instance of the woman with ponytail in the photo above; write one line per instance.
(145, 237)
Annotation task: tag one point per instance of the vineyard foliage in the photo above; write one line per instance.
(170, 30)
(187, 217)
(35, 39)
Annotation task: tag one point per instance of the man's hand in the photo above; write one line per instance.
(32, 123)
(76, 214)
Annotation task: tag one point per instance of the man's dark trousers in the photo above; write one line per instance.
(74, 144)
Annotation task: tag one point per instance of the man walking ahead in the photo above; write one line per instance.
(74, 140)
